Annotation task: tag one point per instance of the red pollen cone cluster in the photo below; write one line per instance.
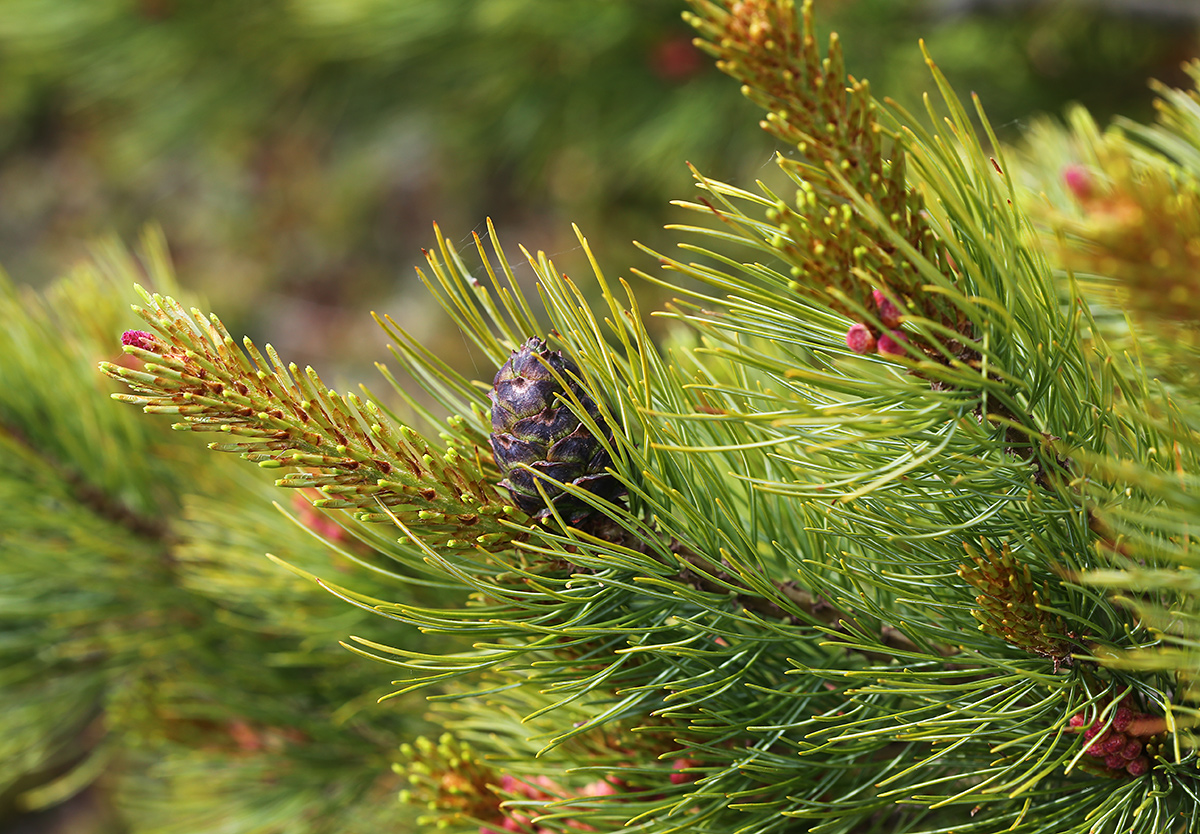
(861, 339)
(1118, 742)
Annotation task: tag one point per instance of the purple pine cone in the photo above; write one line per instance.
(531, 426)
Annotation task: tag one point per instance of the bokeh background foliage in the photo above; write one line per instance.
(295, 152)
(148, 649)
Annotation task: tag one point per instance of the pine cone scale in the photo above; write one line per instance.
(579, 447)
(547, 426)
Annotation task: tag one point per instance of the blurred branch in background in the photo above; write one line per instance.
(302, 148)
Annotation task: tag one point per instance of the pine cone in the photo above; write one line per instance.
(531, 426)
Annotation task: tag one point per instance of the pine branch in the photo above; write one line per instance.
(1123, 210)
(1140, 229)
(975, 313)
(747, 558)
(1124, 213)
(285, 417)
(102, 503)
(185, 678)
(834, 248)
(1011, 606)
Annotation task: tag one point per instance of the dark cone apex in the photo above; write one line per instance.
(532, 426)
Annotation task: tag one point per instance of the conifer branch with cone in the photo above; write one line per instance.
(718, 584)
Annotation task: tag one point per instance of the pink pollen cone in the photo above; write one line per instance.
(679, 777)
(889, 313)
(890, 343)
(1078, 181)
(139, 339)
(1115, 762)
(1121, 719)
(1138, 766)
(602, 787)
(860, 339)
(1115, 743)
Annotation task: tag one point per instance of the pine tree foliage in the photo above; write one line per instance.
(878, 493)
(1123, 215)
(1131, 214)
(149, 649)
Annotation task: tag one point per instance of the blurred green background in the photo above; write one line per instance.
(296, 152)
